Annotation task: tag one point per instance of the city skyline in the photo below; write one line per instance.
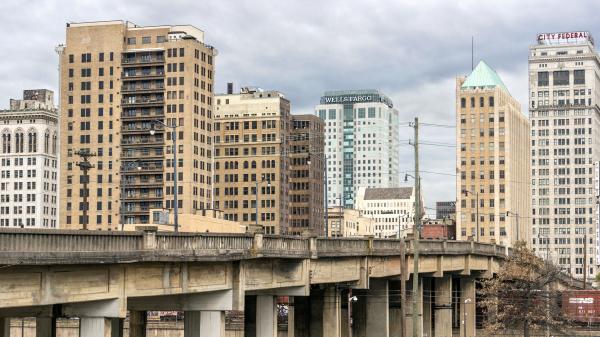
(363, 49)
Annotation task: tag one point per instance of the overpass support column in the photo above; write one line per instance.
(378, 308)
(467, 307)
(4, 326)
(395, 308)
(45, 327)
(137, 323)
(204, 324)
(427, 299)
(325, 313)
(301, 316)
(408, 312)
(359, 313)
(266, 316)
(94, 327)
(443, 306)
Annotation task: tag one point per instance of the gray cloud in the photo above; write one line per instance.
(411, 50)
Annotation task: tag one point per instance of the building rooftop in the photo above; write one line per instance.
(388, 193)
(483, 76)
(355, 96)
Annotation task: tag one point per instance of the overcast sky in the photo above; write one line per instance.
(410, 50)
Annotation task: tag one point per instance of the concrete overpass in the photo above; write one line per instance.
(101, 276)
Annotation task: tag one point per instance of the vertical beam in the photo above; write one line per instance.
(443, 306)
(301, 316)
(395, 310)
(4, 326)
(266, 316)
(427, 290)
(378, 308)
(467, 307)
(204, 323)
(137, 323)
(94, 327)
(408, 328)
(290, 318)
(117, 326)
(45, 327)
(325, 313)
(359, 313)
(250, 316)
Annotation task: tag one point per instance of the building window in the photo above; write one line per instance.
(146, 40)
(543, 78)
(481, 100)
(491, 101)
(472, 102)
(579, 77)
(130, 40)
(463, 102)
(560, 77)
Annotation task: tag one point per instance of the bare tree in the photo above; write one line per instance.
(523, 295)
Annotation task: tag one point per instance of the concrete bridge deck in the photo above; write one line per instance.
(103, 276)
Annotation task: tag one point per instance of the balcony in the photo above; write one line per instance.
(142, 196)
(142, 60)
(144, 153)
(142, 101)
(142, 141)
(135, 75)
(142, 88)
(140, 128)
(142, 115)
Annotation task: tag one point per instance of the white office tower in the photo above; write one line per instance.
(29, 162)
(361, 143)
(565, 124)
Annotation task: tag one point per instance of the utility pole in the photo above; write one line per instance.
(416, 236)
(403, 274)
(85, 166)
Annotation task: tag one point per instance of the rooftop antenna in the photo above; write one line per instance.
(472, 51)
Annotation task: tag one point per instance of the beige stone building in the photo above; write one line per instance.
(347, 222)
(116, 80)
(307, 175)
(205, 221)
(251, 148)
(493, 161)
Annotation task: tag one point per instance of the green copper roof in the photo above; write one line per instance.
(483, 76)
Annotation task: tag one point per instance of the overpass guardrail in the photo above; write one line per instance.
(41, 246)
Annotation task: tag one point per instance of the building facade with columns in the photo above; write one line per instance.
(29, 162)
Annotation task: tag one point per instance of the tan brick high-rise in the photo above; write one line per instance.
(117, 78)
(493, 161)
(307, 169)
(252, 131)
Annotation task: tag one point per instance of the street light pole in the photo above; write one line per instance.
(175, 191)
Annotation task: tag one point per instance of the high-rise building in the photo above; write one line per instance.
(445, 209)
(306, 175)
(392, 209)
(119, 82)
(492, 161)
(29, 162)
(565, 123)
(252, 160)
(361, 143)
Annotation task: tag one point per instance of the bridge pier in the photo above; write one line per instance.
(443, 306)
(467, 307)
(137, 323)
(45, 326)
(94, 327)
(301, 316)
(427, 298)
(372, 311)
(325, 311)
(408, 312)
(4, 326)
(204, 323)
